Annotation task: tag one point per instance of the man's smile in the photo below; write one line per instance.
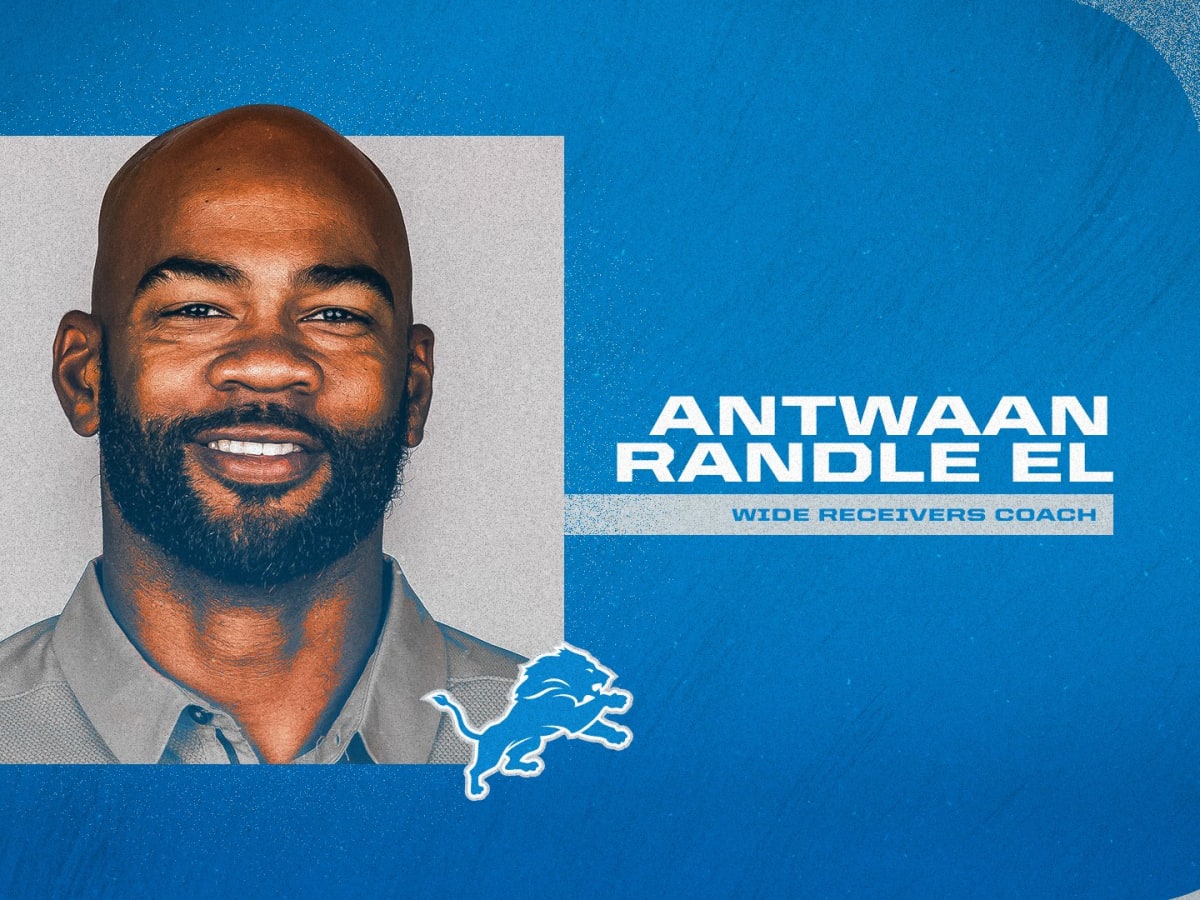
(257, 454)
(253, 448)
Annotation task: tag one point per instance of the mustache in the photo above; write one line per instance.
(188, 427)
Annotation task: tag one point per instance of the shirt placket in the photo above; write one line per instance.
(209, 736)
(230, 737)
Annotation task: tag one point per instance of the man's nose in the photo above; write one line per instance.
(265, 363)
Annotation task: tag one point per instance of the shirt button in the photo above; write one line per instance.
(199, 716)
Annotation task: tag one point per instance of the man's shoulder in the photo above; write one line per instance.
(41, 720)
(468, 657)
(480, 676)
(27, 659)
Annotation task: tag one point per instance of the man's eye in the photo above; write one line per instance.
(334, 314)
(195, 311)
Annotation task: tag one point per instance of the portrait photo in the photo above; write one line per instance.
(477, 525)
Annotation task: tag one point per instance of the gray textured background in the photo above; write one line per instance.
(1172, 27)
(479, 528)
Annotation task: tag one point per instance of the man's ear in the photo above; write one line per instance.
(76, 371)
(420, 381)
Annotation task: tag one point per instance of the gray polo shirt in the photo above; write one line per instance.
(73, 689)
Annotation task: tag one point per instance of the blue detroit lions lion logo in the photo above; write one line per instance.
(563, 693)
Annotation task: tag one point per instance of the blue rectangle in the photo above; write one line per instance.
(824, 198)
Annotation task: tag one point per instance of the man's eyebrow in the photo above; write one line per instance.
(331, 276)
(186, 267)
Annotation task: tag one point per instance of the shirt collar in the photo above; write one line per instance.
(132, 706)
(135, 708)
(410, 662)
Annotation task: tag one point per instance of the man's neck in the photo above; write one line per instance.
(280, 660)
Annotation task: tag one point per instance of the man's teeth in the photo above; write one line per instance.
(254, 448)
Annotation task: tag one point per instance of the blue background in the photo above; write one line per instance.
(951, 198)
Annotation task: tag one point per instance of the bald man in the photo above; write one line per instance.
(252, 369)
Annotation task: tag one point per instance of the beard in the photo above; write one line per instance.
(260, 544)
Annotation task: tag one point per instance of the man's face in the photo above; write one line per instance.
(253, 408)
